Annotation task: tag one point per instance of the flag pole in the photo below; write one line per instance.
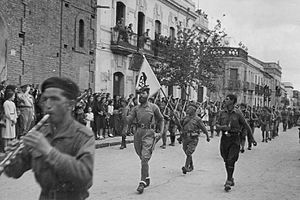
(172, 108)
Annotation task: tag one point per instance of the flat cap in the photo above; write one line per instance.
(70, 87)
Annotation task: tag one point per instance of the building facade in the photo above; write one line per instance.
(116, 70)
(39, 39)
(253, 81)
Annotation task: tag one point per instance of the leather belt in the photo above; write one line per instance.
(191, 134)
(146, 126)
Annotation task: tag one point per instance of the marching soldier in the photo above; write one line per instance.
(284, 118)
(191, 125)
(146, 114)
(265, 120)
(230, 122)
(212, 113)
(166, 113)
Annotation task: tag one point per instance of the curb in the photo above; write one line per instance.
(109, 144)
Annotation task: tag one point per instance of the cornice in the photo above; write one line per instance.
(180, 8)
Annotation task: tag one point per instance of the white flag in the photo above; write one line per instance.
(147, 78)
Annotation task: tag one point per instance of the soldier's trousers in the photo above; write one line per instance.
(284, 124)
(27, 115)
(164, 134)
(189, 145)
(144, 146)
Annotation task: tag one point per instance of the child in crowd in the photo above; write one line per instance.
(110, 112)
(89, 118)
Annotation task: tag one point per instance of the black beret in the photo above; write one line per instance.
(70, 87)
(143, 89)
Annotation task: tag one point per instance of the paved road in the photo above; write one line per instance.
(268, 172)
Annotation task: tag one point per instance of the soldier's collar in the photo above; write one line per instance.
(145, 105)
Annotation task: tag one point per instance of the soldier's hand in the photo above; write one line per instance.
(37, 141)
(157, 137)
(12, 145)
(207, 139)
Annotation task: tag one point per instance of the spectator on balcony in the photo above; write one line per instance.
(144, 38)
(129, 30)
(120, 27)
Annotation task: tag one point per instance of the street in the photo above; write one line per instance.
(270, 171)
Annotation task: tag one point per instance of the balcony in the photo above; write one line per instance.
(229, 52)
(122, 43)
(233, 84)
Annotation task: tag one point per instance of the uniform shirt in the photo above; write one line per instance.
(265, 118)
(235, 118)
(145, 114)
(192, 124)
(68, 166)
(284, 115)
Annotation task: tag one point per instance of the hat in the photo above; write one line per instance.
(143, 89)
(11, 87)
(70, 87)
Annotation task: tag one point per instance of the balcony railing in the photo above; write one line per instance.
(122, 42)
(233, 84)
(229, 52)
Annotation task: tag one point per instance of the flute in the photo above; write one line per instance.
(12, 154)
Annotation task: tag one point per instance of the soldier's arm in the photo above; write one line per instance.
(19, 165)
(202, 127)
(131, 116)
(244, 123)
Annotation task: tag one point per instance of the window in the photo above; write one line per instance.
(81, 33)
(157, 27)
(172, 33)
(233, 74)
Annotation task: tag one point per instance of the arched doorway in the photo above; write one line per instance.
(3, 49)
(118, 84)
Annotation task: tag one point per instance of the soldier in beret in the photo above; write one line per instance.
(149, 119)
(191, 126)
(61, 152)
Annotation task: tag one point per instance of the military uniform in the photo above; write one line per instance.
(67, 171)
(191, 126)
(265, 121)
(144, 138)
(26, 107)
(166, 113)
(230, 140)
(284, 118)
